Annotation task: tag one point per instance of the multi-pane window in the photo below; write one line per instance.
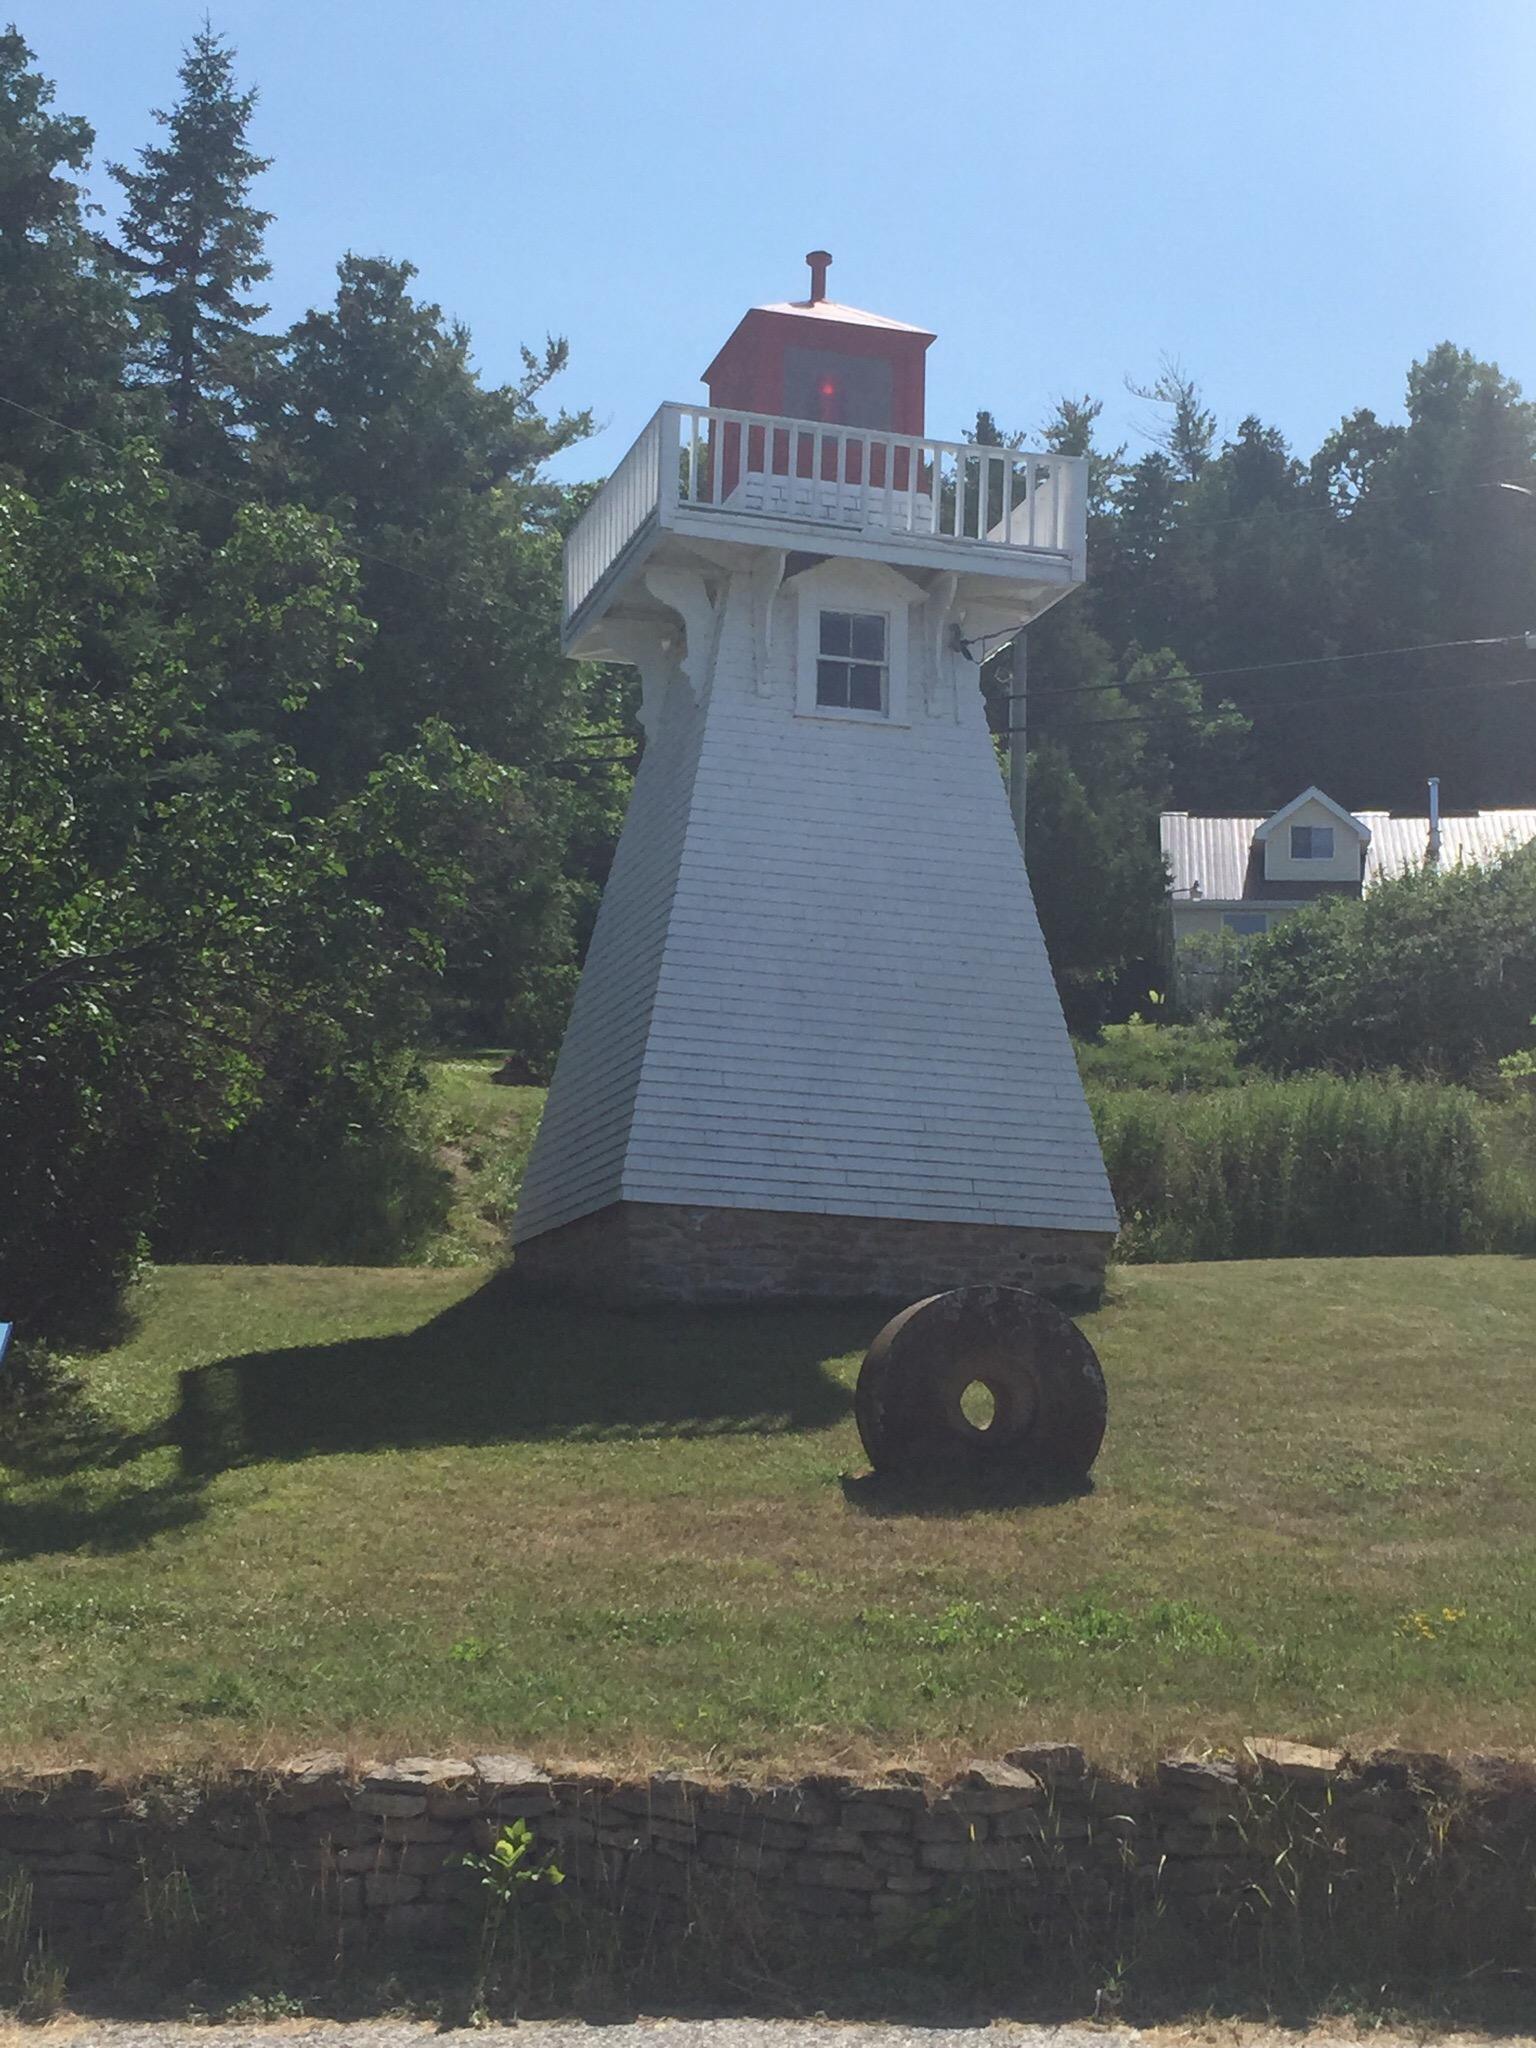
(1311, 842)
(852, 664)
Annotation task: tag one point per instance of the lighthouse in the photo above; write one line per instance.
(816, 1051)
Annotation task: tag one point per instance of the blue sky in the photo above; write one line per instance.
(1294, 197)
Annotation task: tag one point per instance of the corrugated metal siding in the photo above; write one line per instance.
(854, 1013)
(1214, 851)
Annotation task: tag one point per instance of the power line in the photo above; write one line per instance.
(1257, 668)
(1313, 703)
(979, 640)
(1527, 639)
(1168, 717)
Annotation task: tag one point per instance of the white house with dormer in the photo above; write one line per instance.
(817, 1049)
(1242, 875)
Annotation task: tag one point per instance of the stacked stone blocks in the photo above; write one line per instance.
(382, 1850)
(637, 1254)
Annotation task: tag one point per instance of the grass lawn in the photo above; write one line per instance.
(407, 1510)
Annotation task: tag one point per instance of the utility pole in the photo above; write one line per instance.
(1018, 756)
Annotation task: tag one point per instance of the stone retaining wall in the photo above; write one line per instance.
(382, 1849)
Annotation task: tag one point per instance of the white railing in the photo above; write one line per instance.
(698, 460)
(626, 501)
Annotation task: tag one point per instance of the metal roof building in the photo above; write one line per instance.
(1213, 857)
(1235, 878)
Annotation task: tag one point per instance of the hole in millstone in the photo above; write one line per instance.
(978, 1405)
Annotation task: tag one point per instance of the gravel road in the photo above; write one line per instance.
(78, 2033)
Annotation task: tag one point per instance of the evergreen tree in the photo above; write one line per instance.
(193, 238)
(373, 409)
(1099, 886)
(1071, 430)
(65, 325)
(1112, 742)
(1188, 434)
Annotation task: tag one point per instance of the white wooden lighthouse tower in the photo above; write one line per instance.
(817, 1049)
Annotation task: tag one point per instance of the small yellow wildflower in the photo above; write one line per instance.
(1418, 1626)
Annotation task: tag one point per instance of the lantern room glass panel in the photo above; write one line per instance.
(838, 390)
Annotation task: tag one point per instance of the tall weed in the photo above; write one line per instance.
(1315, 1167)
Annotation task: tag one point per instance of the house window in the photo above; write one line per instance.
(1247, 924)
(1311, 842)
(852, 666)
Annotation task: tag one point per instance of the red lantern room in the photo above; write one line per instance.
(812, 359)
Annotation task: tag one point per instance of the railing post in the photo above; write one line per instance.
(830, 475)
(1071, 497)
(667, 426)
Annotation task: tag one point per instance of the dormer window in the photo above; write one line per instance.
(852, 666)
(1311, 842)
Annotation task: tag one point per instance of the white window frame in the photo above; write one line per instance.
(1230, 920)
(812, 605)
(1315, 831)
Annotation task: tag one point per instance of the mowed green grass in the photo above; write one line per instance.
(411, 1511)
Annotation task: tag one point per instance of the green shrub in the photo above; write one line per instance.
(338, 1170)
(1315, 1168)
(1178, 1057)
(1433, 972)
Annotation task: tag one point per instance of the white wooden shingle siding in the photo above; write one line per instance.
(578, 1157)
(817, 981)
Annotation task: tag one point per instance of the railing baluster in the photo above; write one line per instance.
(1039, 503)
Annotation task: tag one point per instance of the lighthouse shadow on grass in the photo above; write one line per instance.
(508, 1365)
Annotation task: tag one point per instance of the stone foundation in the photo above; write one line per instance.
(637, 1253)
